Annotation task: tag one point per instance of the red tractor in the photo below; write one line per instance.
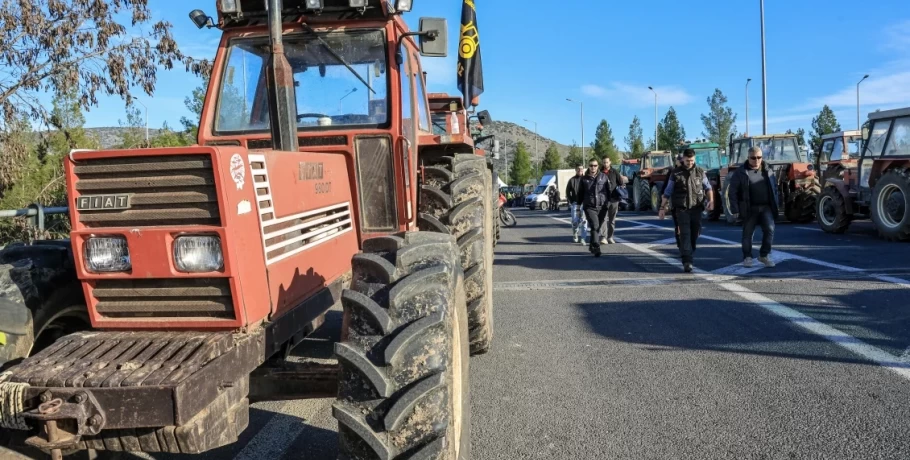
(199, 269)
(798, 184)
(877, 184)
(647, 182)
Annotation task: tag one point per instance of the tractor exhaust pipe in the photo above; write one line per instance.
(280, 81)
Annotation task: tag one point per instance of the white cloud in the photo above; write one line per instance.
(638, 96)
(441, 73)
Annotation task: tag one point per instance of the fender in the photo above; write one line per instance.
(842, 188)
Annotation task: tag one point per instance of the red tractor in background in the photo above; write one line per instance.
(199, 269)
(648, 180)
(798, 184)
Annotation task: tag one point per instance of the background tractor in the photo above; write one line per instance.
(197, 271)
(798, 184)
(648, 181)
(879, 186)
(708, 156)
(837, 160)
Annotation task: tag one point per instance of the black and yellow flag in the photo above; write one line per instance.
(470, 70)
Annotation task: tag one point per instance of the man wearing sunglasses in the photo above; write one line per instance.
(687, 187)
(596, 188)
(753, 196)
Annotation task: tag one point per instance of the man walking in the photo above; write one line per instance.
(608, 220)
(753, 196)
(575, 197)
(595, 189)
(687, 188)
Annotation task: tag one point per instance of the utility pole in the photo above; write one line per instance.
(858, 119)
(146, 120)
(764, 75)
(655, 117)
(747, 106)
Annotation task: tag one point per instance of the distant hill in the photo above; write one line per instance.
(111, 137)
(509, 134)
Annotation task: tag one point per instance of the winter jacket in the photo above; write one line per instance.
(738, 190)
(574, 193)
(596, 190)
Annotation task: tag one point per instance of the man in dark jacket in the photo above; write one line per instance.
(596, 192)
(754, 197)
(687, 188)
(575, 197)
(612, 208)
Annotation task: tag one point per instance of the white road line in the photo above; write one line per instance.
(810, 228)
(886, 279)
(738, 269)
(839, 338)
(661, 242)
(275, 437)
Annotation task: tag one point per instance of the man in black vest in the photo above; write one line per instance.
(595, 187)
(687, 187)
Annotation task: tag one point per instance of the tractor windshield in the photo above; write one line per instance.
(708, 158)
(340, 79)
(780, 149)
(660, 161)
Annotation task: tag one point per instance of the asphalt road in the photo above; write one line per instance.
(625, 356)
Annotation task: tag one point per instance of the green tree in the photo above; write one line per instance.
(720, 122)
(166, 137)
(575, 157)
(670, 132)
(824, 123)
(551, 159)
(604, 145)
(800, 136)
(635, 140)
(521, 165)
(133, 129)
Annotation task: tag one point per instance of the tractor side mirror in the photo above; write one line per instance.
(201, 19)
(434, 37)
(484, 118)
(865, 133)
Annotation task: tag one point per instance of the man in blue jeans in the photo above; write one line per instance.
(753, 196)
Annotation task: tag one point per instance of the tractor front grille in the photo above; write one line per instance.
(164, 298)
(163, 190)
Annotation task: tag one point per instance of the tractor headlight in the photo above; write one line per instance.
(403, 5)
(198, 253)
(357, 3)
(228, 6)
(314, 4)
(107, 254)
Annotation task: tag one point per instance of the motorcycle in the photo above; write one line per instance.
(507, 218)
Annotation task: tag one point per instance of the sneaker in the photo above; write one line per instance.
(765, 260)
(603, 240)
(687, 267)
(747, 262)
(611, 241)
(582, 241)
(575, 238)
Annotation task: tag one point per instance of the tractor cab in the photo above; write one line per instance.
(884, 172)
(839, 154)
(648, 181)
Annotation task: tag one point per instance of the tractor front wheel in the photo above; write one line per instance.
(831, 212)
(890, 205)
(801, 209)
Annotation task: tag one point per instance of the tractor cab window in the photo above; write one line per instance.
(660, 161)
(899, 141)
(837, 151)
(877, 137)
(422, 110)
(340, 80)
(854, 145)
(707, 158)
(440, 127)
(743, 152)
(780, 149)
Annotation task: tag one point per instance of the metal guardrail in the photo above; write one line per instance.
(35, 213)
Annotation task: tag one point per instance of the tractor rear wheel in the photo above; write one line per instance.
(890, 208)
(454, 200)
(404, 385)
(831, 211)
(801, 209)
(655, 198)
(725, 195)
(643, 196)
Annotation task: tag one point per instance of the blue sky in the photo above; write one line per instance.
(606, 53)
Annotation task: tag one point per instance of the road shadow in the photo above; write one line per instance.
(735, 326)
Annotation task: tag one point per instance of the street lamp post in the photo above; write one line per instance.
(146, 120)
(582, 127)
(858, 121)
(655, 117)
(536, 152)
(747, 106)
(764, 75)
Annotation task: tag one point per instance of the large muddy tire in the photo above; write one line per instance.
(802, 209)
(404, 384)
(655, 197)
(644, 196)
(891, 205)
(453, 200)
(831, 211)
(41, 299)
(725, 195)
(494, 205)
